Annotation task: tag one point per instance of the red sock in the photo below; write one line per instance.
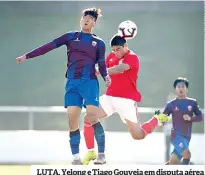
(149, 126)
(89, 135)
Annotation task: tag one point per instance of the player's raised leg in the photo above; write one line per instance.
(139, 131)
(128, 111)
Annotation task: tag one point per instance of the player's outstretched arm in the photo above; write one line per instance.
(44, 48)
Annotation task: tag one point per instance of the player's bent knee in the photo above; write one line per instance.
(86, 118)
(92, 117)
(101, 113)
(93, 120)
(87, 122)
(135, 130)
(186, 154)
(137, 136)
(174, 160)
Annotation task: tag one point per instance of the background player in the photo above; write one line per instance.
(184, 112)
(121, 96)
(84, 50)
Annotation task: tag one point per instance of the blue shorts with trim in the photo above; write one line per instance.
(180, 144)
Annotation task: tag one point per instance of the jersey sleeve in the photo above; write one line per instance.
(101, 59)
(48, 46)
(197, 112)
(62, 40)
(168, 109)
(132, 61)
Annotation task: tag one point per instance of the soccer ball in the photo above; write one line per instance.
(127, 29)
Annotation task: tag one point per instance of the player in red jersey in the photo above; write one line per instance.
(121, 97)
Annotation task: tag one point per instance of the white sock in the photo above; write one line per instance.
(101, 153)
(76, 156)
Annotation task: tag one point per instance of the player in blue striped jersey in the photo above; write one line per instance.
(184, 112)
(84, 51)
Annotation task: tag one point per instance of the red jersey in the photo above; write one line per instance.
(124, 84)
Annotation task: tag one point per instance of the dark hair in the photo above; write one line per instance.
(117, 40)
(94, 12)
(179, 80)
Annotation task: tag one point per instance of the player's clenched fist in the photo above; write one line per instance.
(186, 117)
(20, 59)
(107, 80)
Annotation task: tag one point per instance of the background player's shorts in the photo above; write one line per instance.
(180, 144)
(81, 92)
(126, 108)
